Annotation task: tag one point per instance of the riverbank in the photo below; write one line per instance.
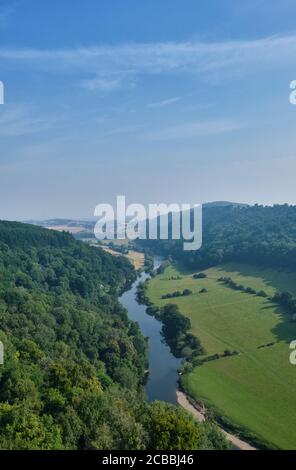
(200, 414)
(162, 380)
(232, 326)
(163, 375)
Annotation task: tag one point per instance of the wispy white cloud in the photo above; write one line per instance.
(154, 58)
(21, 120)
(162, 103)
(192, 130)
(109, 68)
(102, 84)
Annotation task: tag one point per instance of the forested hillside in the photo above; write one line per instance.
(253, 234)
(74, 363)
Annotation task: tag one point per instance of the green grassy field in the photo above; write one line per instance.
(255, 389)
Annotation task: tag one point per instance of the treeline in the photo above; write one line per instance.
(177, 293)
(247, 290)
(176, 329)
(74, 363)
(148, 263)
(123, 249)
(254, 234)
(284, 299)
(175, 326)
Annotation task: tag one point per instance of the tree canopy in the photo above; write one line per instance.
(74, 363)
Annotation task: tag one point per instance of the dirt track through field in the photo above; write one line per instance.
(199, 414)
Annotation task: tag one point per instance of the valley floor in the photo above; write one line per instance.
(254, 389)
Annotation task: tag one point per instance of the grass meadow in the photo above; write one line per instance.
(255, 389)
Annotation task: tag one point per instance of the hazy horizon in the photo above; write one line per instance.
(93, 218)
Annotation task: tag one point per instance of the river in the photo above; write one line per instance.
(163, 366)
(162, 383)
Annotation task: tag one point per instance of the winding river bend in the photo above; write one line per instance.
(163, 366)
(162, 383)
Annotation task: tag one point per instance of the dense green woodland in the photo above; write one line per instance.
(74, 364)
(254, 234)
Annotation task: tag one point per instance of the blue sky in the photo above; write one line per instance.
(161, 101)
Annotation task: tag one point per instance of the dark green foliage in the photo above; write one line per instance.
(175, 330)
(165, 419)
(66, 338)
(177, 293)
(247, 290)
(199, 276)
(286, 300)
(187, 292)
(174, 323)
(262, 293)
(141, 293)
(203, 291)
(258, 235)
(148, 263)
(74, 363)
